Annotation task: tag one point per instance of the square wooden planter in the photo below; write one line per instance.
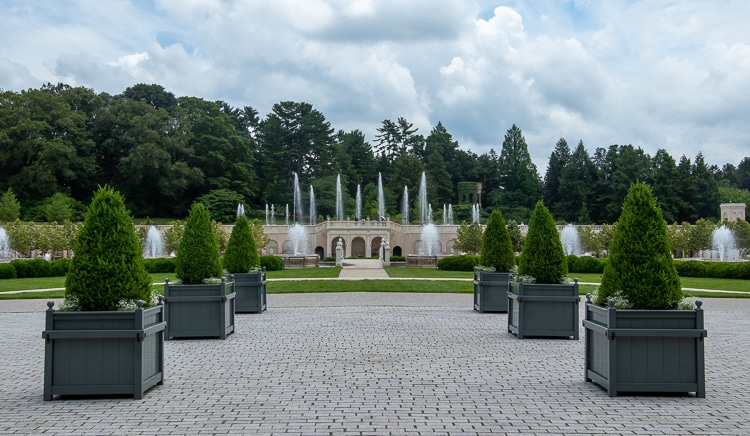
(490, 291)
(639, 351)
(199, 311)
(251, 292)
(544, 310)
(103, 353)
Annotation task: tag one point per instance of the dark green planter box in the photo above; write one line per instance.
(103, 353)
(199, 311)
(251, 292)
(490, 291)
(645, 350)
(544, 310)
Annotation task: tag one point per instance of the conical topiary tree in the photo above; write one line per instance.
(198, 257)
(543, 257)
(497, 248)
(640, 260)
(241, 254)
(107, 269)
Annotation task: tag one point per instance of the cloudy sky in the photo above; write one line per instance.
(657, 74)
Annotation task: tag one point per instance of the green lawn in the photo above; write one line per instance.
(462, 285)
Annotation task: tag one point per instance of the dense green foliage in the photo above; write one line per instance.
(160, 265)
(497, 248)
(107, 269)
(10, 207)
(640, 260)
(543, 257)
(458, 263)
(272, 263)
(198, 257)
(7, 271)
(469, 238)
(585, 264)
(241, 254)
(67, 140)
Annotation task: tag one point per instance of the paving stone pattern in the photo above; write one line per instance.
(379, 368)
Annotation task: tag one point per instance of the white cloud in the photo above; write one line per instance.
(655, 74)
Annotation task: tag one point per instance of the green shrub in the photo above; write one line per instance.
(543, 257)
(690, 268)
(7, 271)
(571, 260)
(160, 265)
(31, 268)
(398, 258)
(241, 254)
(640, 259)
(587, 265)
(497, 248)
(198, 257)
(107, 269)
(272, 263)
(60, 267)
(465, 262)
(329, 259)
(718, 270)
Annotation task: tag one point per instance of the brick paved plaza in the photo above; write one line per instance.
(383, 363)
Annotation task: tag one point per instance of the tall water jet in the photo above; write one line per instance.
(571, 240)
(358, 212)
(475, 213)
(445, 214)
(429, 213)
(430, 242)
(6, 253)
(313, 212)
(422, 198)
(240, 210)
(724, 244)
(339, 200)
(297, 200)
(450, 214)
(153, 245)
(267, 222)
(298, 237)
(286, 214)
(405, 207)
(381, 198)
(273, 215)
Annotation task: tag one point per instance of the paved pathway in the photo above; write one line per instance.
(376, 363)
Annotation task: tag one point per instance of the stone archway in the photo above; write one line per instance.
(375, 246)
(358, 247)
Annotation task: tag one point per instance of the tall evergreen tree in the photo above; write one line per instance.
(577, 183)
(558, 161)
(519, 183)
(666, 185)
(686, 193)
(706, 200)
(640, 259)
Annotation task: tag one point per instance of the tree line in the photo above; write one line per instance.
(58, 143)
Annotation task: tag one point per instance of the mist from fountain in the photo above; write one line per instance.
(422, 198)
(298, 237)
(297, 200)
(405, 207)
(381, 198)
(339, 200)
(724, 244)
(358, 212)
(153, 245)
(571, 240)
(430, 245)
(6, 254)
(313, 212)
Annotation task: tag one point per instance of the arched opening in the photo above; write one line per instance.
(375, 246)
(320, 251)
(396, 251)
(358, 247)
(272, 247)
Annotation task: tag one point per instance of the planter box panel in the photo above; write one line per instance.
(103, 353)
(490, 291)
(645, 350)
(543, 310)
(251, 292)
(199, 311)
